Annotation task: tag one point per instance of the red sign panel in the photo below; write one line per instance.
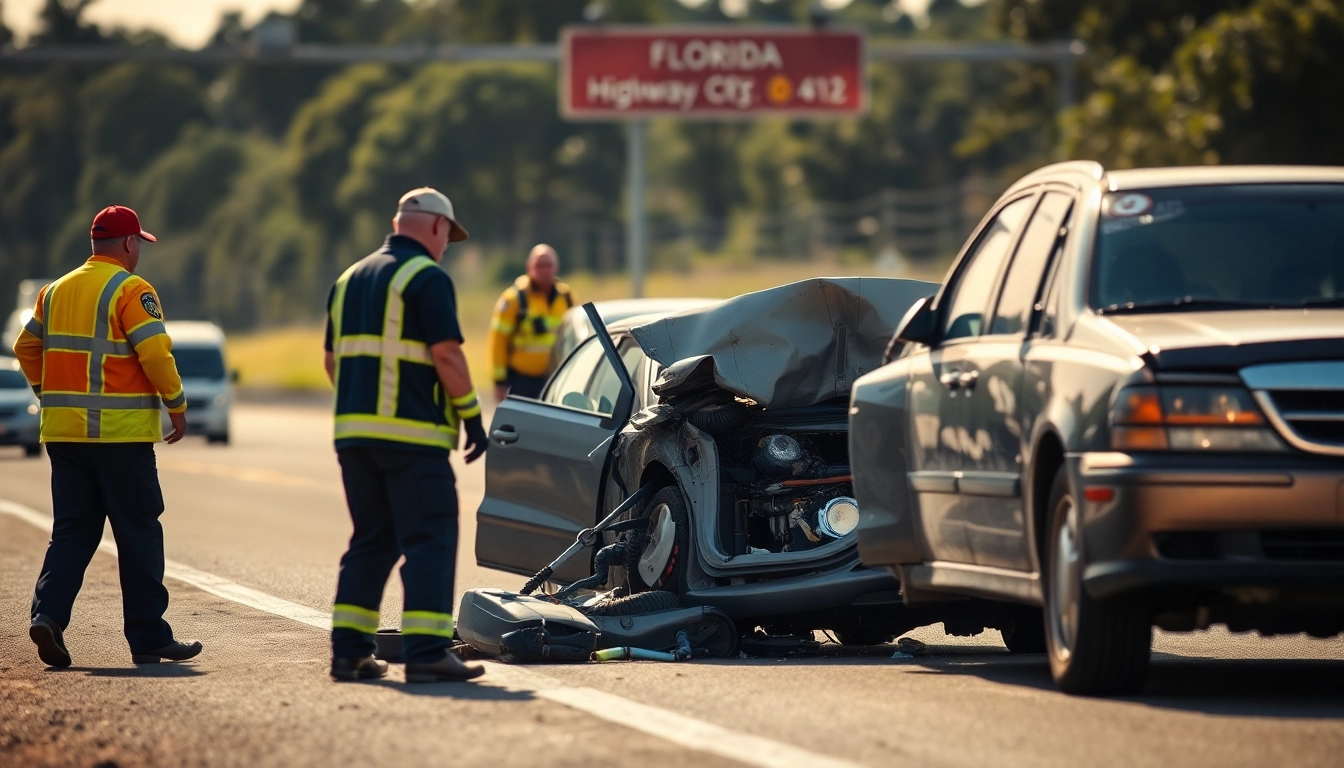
(721, 71)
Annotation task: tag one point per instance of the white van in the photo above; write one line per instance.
(199, 350)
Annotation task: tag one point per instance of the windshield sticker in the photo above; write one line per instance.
(1130, 205)
(1163, 211)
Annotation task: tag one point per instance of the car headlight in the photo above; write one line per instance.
(33, 409)
(220, 401)
(839, 517)
(1151, 418)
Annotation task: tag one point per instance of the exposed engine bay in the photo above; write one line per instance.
(787, 492)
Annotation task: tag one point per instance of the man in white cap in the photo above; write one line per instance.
(403, 392)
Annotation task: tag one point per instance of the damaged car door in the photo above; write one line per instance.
(544, 470)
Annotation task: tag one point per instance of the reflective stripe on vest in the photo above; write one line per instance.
(392, 350)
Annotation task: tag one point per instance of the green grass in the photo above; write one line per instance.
(291, 358)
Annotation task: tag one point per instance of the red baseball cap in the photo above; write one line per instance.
(117, 221)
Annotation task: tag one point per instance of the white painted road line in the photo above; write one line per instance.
(246, 474)
(664, 724)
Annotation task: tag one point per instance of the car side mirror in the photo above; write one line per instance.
(919, 326)
(235, 375)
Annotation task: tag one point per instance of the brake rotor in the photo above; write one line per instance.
(662, 537)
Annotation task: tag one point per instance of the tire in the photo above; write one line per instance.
(219, 439)
(1027, 632)
(32, 451)
(864, 637)
(671, 573)
(636, 604)
(1095, 647)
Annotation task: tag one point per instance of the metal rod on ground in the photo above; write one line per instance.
(634, 248)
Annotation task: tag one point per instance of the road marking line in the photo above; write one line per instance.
(249, 474)
(206, 582)
(669, 726)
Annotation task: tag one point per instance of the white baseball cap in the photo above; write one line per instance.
(430, 200)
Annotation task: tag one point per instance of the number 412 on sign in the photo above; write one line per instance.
(822, 90)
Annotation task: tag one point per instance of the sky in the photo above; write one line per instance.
(189, 23)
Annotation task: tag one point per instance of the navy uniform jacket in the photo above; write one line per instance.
(430, 317)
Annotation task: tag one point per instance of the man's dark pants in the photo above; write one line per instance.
(401, 502)
(525, 386)
(91, 482)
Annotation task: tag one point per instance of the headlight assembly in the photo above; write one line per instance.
(1175, 418)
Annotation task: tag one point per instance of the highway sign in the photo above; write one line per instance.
(727, 71)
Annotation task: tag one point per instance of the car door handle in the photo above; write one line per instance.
(967, 380)
(951, 380)
(505, 435)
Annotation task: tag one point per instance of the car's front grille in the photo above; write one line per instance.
(8, 413)
(1314, 417)
(1304, 401)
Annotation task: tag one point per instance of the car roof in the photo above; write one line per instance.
(1079, 172)
(618, 309)
(194, 332)
(1148, 178)
(634, 321)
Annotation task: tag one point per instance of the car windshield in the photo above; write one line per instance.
(199, 362)
(1250, 246)
(11, 379)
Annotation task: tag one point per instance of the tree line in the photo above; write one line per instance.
(263, 180)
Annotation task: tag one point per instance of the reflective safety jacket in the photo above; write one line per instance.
(99, 357)
(384, 314)
(523, 328)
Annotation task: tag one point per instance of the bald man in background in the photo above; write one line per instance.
(523, 328)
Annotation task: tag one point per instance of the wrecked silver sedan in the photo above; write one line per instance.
(731, 420)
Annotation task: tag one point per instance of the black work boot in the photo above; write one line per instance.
(178, 650)
(366, 668)
(50, 641)
(448, 669)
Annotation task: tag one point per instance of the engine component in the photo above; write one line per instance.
(839, 517)
(779, 454)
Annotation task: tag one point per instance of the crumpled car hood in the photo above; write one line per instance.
(793, 346)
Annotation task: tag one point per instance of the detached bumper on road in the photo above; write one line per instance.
(1220, 522)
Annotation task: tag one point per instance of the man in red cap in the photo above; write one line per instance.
(97, 354)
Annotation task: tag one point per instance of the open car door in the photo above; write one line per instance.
(549, 457)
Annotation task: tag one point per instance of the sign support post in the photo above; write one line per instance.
(634, 231)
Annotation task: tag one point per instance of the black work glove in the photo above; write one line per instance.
(477, 442)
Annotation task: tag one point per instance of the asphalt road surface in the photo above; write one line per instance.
(254, 531)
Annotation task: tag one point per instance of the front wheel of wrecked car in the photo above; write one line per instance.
(655, 557)
(1096, 647)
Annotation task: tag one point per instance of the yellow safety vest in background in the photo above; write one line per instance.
(523, 328)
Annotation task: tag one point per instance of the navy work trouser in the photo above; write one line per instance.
(92, 482)
(402, 503)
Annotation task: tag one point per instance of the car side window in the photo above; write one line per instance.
(568, 386)
(1022, 288)
(605, 387)
(970, 294)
